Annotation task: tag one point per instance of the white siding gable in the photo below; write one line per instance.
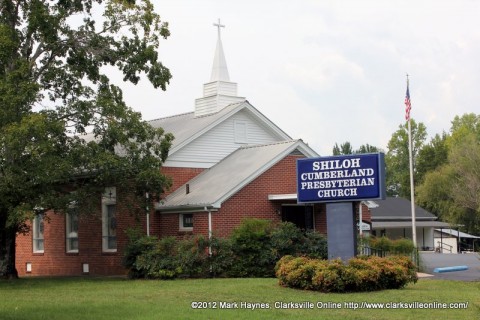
(208, 149)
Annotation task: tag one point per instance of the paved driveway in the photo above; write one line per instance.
(431, 260)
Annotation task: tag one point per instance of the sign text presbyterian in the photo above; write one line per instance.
(341, 178)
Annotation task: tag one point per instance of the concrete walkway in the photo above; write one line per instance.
(432, 260)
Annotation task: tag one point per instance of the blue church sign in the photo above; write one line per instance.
(341, 178)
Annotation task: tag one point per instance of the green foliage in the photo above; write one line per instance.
(137, 245)
(451, 190)
(161, 262)
(54, 87)
(398, 247)
(431, 156)
(346, 148)
(397, 158)
(314, 245)
(221, 259)
(192, 256)
(286, 239)
(251, 251)
(257, 246)
(359, 274)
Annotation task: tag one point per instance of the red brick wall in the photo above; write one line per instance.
(56, 261)
(180, 176)
(251, 201)
(320, 218)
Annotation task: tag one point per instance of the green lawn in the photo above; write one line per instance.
(109, 298)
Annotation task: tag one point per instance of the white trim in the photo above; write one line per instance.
(109, 198)
(38, 235)
(189, 164)
(73, 233)
(181, 226)
(288, 196)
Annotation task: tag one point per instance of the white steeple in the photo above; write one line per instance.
(219, 92)
(219, 68)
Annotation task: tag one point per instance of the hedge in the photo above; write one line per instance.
(252, 251)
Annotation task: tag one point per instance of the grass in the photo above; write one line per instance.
(113, 298)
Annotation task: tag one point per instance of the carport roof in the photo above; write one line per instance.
(457, 233)
(407, 224)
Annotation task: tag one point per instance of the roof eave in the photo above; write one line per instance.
(186, 208)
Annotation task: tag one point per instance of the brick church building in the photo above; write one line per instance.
(227, 162)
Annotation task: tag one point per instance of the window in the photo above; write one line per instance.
(38, 228)
(109, 220)
(240, 131)
(186, 222)
(71, 219)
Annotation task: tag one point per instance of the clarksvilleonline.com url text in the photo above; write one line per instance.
(326, 305)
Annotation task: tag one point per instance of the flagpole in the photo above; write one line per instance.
(410, 157)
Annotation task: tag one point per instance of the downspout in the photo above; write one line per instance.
(360, 218)
(148, 214)
(209, 230)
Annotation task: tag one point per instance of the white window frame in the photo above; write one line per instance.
(38, 233)
(109, 199)
(71, 234)
(181, 222)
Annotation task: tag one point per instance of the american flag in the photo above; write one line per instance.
(408, 105)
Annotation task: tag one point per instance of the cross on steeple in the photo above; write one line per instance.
(219, 25)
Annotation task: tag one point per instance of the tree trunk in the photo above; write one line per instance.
(7, 251)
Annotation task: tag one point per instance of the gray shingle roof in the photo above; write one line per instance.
(398, 209)
(215, 185)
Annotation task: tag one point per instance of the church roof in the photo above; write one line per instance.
(215, 185)
(186, 127)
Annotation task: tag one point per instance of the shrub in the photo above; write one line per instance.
(192, 256)
(160, 262)
(253, 256)
(314, 245)
(286, 239)
(252, 251)
(221, 259)
(402, 246)
(359, 274)
(137, 245)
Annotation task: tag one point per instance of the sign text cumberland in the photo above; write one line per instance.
(341, 178)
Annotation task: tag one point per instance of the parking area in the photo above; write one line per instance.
(431, 260)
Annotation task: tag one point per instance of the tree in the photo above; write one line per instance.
(345, 148)
(54, 88)
(431, 156)
(366, 148)
(452, 190)
(397, 158)
(464, 160)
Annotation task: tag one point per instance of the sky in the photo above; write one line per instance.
(325, 72)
